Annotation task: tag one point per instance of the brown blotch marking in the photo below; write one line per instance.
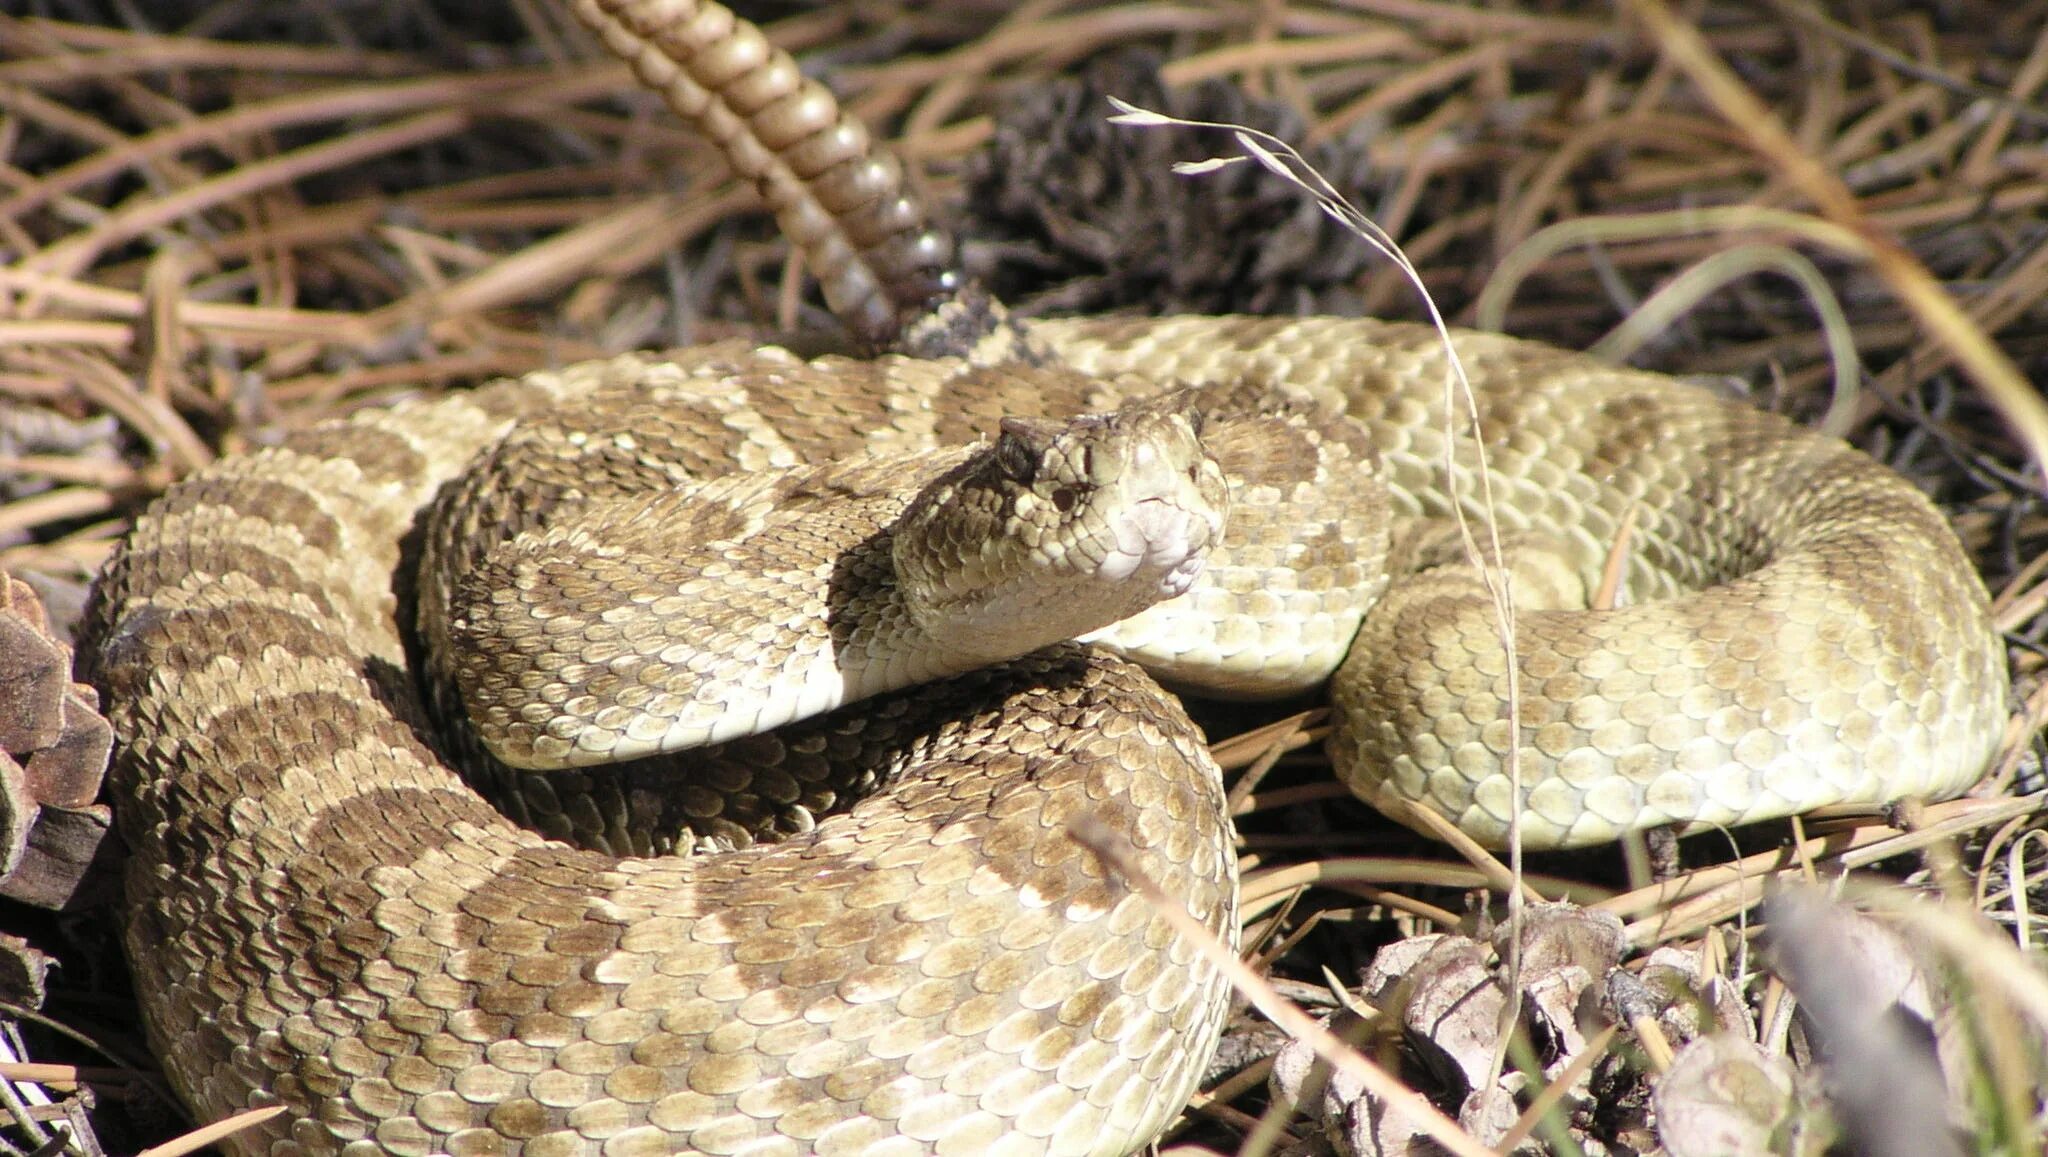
(284, 731)
(978, 398)
(1267, 452)
(382, 456)
(1627, 427)
(824, 416)
(686, 433)
(282, 504)
(604, 448)
(154, 637)
(272, 572)
(320, 916)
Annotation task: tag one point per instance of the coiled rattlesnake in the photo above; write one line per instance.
(324, 916)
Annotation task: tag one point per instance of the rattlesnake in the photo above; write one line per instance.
(323, 916)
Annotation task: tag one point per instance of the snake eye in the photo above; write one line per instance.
(1015, 458)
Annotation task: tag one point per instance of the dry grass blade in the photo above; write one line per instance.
(1271, 886)
(1097, 837)
(1993, 371)
(1688, 903)
(1554, 1092)
(1685, 290)
(206, 1135)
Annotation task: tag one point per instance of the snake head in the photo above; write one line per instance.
(1059, 527)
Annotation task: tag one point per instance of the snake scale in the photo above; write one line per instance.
(325, 916)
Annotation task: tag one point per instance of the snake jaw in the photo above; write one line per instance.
(1160, 527)
(1167, 511)
(1158, 538)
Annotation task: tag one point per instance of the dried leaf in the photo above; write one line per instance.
(1725, 1097)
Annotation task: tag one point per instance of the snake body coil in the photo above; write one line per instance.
(325, 916)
